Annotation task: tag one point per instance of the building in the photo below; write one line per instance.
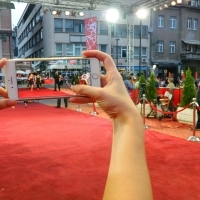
(5, 33)
(175, 39)
(41, 34)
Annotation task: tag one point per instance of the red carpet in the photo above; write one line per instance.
(59, 154)
(42, 92)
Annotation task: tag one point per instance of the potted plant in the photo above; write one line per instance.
(151, 91)
(189, 92)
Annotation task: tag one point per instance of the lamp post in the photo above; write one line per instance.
(141, 14)
(140, 48)
(117, 40)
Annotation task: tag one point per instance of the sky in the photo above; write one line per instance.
(17, 12)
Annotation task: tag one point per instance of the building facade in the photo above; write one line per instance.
(41, 34)
(175, 39)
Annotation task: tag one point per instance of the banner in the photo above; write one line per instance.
(91, 33)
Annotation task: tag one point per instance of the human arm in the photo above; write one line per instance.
(128, 176)
(5, 102)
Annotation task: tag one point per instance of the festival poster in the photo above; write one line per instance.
(91, 33)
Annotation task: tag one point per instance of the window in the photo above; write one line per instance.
(172, 22)
(120, 30)
(122, 51)
(33, 22)
(103, 28)
(79, 26)
(137, 52)
(69, 49)
(74, 26)
(161, 21)
(189, 23)
(195, 23)
(160, 46)
(59, 49)
(194, 3)
(58, 25)
(171, 47)
(103, 47)
(137, 31)
(79, 48)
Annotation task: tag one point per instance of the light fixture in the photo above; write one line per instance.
(179, 1)
(112, 15)
(45, 9)
(166, 5)
(81, 14)
(160, 7)
(53, 12)
(142, 13)
(67, 12)
(154, 8)
(58, 12)
(173, 3)
(73, 14)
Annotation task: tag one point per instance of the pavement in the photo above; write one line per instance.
(165, 125)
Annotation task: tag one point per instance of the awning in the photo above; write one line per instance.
(56, 67)
(20, 72)
(166, 63)
(195, 42)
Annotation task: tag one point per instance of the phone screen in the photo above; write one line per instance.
(52, 78)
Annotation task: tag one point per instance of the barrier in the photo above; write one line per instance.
(195, 105)
(177, 94)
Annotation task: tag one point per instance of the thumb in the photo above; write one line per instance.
(86, 90)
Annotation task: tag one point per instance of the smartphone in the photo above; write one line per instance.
(49, 78)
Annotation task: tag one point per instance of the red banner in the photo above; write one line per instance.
(91, 33)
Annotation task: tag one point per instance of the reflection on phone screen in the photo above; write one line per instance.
(44, 79)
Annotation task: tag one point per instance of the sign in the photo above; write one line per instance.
(91, 33)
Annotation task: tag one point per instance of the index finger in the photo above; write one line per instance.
(3, 61)
(105, 58)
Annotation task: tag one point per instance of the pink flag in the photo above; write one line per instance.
(91, 33)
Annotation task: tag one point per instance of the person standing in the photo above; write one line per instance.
(198, 101)
(31, 81)
(60, 81)
(56, 81)
(59, 102)
(129, 84)
(38, 81)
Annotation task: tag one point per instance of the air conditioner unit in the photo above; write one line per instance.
(144, 60)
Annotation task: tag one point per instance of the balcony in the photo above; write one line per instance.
(187, 55)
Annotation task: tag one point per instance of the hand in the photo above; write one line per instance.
(128, 162)
(5, 103)
(112, 97)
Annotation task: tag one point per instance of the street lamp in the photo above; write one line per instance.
(141, 14)
(117, 51)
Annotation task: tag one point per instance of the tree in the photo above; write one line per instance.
(142, 86)
(151, 89)
(188, 89)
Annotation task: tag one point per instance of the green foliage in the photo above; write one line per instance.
(151, 89)
(142, 81)
(188, 89)
(142, 86)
